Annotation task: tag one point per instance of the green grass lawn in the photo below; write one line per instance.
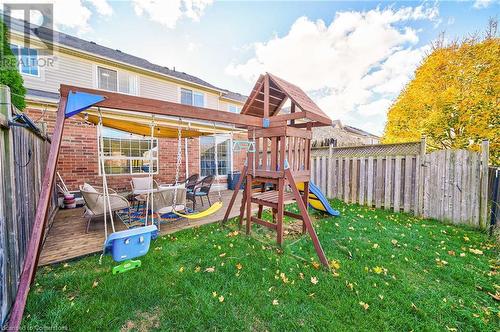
(391, 272)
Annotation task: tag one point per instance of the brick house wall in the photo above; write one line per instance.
(78, 157)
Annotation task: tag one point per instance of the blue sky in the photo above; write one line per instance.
(352, 57)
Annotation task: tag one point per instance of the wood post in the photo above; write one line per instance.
(483, 210)
(248, 197)
(421, 165)
(235, 193)
(307, 219)
(33, 252)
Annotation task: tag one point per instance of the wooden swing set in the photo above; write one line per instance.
(280, 156)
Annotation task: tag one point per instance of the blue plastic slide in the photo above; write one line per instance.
(317, 200)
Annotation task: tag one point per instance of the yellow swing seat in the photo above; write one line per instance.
(214, 208)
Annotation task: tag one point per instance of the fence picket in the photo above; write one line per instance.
(324, 174)
(388, 183)
(354, 180)
(340, 179)
(369, 184)
(407, 184)
(362, 177)
(347, 183)
(334, 178)
(379, 181)
(397, 183)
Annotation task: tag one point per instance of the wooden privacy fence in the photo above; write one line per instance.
(22, 163)
(448, 185)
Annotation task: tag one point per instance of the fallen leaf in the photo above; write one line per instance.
(214, 294)
(316, 265)
(476, 251)
(181, 269)
(221, 298)
(222, 255)
(210, 269)
(275, 302)
(95, 283)
(375, 245)
(394, 242)
(378, 270)
(239, 266)
(314, 280)
(197, 269)
(466, 239)
(334, 264)
(364, 305)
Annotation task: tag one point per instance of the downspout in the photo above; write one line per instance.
(187, 158)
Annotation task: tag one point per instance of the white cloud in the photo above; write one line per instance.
(167, 13)
(358, 59)
(478, 4)
(102, 7)
(73, 14)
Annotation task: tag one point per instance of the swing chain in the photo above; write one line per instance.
(216, 166)
(178, 163)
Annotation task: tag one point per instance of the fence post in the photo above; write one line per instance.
(421, 182)
(329, 177)
(483, 198)
(8, 230)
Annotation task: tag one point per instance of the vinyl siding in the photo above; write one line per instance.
(72, 70)
(151, 87)
(66, 70)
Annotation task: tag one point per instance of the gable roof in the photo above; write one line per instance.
(279, 91)
(117, 55)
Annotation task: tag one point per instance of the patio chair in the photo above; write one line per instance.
(191, 181)
(94, 202)
(201, 189)
(143, 185)
(163, 200)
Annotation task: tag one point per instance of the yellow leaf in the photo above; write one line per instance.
(181, 269)
(316, 265)
(476, 251)
(214, 294)
(364, 305)
(275, 302)
(197, 269)
(94, 285)
(222, 255)
(378, 269)
(239, 266)
(334, 264)
(375, 245)
(221, 298)
(466, 239)
(210, 269)
(314, 280)
(394, 242)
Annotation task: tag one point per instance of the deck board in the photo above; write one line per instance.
(67, 239)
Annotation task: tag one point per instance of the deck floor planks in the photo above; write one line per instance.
(67, 239)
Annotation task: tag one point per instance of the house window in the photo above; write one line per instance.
(27, 59)
(234, 109)
(125, 153)
(207, 155)
(190, 97)
(112, 80)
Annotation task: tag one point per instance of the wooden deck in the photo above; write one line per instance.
(67, 238)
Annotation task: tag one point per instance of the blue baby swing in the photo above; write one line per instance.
(123, 246)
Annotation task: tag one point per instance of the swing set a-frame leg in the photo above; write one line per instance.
(235, 193)
(307, 220)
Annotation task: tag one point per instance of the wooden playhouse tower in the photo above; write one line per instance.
(281, 157)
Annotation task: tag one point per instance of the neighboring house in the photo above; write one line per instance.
(87, 64)
(342, 135)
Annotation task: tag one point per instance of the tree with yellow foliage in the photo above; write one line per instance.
(453, 99)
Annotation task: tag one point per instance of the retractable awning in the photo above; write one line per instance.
(164, 126)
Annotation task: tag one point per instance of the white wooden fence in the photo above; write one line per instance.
(448, 185)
